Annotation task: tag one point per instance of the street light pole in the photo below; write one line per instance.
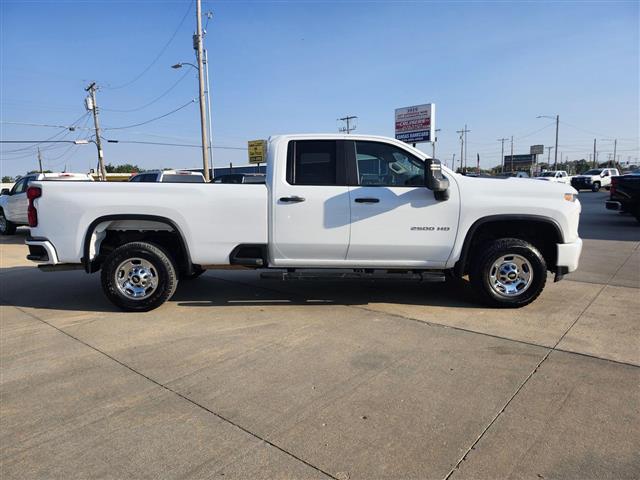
(555, 152)
(203, 107)
(206, 62)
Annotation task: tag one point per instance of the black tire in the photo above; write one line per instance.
(484, 265)
(595, 187)
(152, 263)
(197, 271)
(6, 227)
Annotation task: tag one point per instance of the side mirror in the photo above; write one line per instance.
(434, 180)
(5, 191)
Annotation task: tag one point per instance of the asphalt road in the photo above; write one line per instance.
(238, 377)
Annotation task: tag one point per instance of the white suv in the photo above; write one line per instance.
(168, 176)
(14, 202)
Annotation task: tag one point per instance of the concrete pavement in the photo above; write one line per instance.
(238, 377)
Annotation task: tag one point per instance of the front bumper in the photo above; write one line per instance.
(582, 184)
(568, 255)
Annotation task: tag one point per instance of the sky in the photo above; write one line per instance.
(296, 66)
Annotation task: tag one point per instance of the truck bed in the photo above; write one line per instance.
(210, 217)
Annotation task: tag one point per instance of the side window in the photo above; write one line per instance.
(136, 178)
(148, 178)
(381, 164)
(20, 186)
(312, 162)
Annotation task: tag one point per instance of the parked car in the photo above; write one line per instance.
(241, 178)
(14, 202)
(322, 208)
(624, 195)
(558, 176)
(168, 176)
(594, 179)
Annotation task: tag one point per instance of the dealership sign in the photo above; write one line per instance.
(536, 149)
(415, 124)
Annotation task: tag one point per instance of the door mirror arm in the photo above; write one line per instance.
(435, 180)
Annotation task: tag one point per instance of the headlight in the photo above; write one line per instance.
(588, 180)
(570, 197)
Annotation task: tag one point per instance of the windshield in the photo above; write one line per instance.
(548, 174)
(595, 171)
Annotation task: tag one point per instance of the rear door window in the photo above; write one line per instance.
(314, 162)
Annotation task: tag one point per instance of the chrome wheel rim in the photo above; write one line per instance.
(510, 275)
(136, 278)
(3, 222)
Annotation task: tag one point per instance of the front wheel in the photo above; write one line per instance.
(595, 187)
(508, 273)
(6, 227)
(138, 277)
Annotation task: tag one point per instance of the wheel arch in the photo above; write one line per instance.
(89, 262)
(550, 230)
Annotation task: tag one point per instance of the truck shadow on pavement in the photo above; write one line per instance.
(77, 291)
(214, 290)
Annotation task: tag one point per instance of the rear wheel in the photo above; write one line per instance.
(6, 227)
(138, 277)
(595, 187)
(508, 273)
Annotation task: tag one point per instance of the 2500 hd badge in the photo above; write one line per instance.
(430, 229)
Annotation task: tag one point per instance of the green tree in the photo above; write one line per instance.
(124, 168)
(7, 179)
(38, 171)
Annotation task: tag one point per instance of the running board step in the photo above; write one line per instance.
(434, 277)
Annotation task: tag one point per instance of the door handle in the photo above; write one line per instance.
(293, 199)
(367, 200)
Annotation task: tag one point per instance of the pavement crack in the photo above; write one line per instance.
(178, 394)
(520, 387)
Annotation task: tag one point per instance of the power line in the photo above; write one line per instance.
(159, 97)
(166, 45)
(193, 100)
(220, 147)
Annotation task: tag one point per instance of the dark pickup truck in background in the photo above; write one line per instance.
(625, 194)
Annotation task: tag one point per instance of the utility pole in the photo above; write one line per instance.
(201, 78)
(555, 152)
(93, 106)
(615, 145)
(594, 153)
(549, 155)
(512, 153)
(348, 128)
(453, 162)
(463, 150)
(39, 159)
(502, 140)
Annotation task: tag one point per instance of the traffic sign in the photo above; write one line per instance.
(257, 151)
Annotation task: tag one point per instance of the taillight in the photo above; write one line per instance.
(32, 194)
(614, 184)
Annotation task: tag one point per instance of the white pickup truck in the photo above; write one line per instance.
(558, 176)
(364, 205)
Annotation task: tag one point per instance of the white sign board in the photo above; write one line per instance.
(415, 124)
